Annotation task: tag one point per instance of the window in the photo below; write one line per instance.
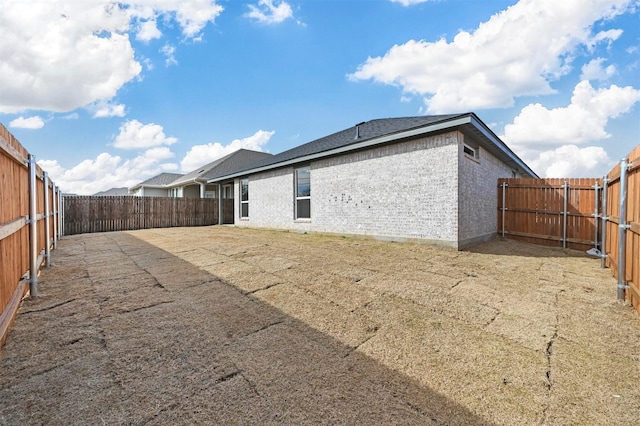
(471, 149)
(227, 192)
(244, 198)
(303, 193)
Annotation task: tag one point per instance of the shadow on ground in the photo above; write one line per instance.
(127, 333)
(508, 247)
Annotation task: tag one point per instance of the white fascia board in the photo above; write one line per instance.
(352, 147)
(501, 145)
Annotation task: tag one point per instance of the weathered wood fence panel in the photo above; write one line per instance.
(19, 260)
(571, 213)
(552, 212)
(87, 214)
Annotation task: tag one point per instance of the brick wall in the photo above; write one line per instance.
(271, 201)
(399, 191)
(478, 192)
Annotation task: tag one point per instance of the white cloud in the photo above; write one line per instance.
(148, 30)
(503, 58)
(584, 120)
(34, 122)
(103, 109)
(61, 55)
(107, 171)
(169, 53)
(268, 13)
(200, 155)
(593, 70)
(571, 161)
(135, 135)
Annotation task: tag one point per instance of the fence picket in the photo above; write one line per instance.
(88, 214)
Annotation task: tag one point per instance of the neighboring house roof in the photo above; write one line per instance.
(385, 131)
(222, 166)
(158, 181)
(112, 192)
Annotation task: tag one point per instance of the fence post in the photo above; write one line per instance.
(61, 215)
(33, 228)
(564, 215)
(622, 229)
(596, 216)
(504, 207)
(47, 222)
(603, 224)
(56, 216)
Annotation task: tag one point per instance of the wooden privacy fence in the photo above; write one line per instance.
(581, 214)
(552, 212)
(87, 214)
(621, 218)
(29, 225)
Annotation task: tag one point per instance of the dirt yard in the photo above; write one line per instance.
(221, 325)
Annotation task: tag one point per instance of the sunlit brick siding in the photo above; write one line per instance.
(404, 190)
(407, 190)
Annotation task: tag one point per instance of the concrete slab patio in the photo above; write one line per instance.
(221, 325)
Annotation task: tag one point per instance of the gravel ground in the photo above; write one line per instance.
(223, 325)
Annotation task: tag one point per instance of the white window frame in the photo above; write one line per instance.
(471, 152)
(243, 201)
(303, 197)
(227, 192)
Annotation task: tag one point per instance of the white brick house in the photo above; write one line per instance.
(431, 178)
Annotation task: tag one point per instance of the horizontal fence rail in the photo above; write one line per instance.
(29, 219)
(581, 214)
(551, 212)
(88, 214)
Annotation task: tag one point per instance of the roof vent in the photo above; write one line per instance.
(358, 130)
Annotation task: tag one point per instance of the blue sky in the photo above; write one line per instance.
(107, 94)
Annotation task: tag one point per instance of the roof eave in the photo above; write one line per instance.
(456, 122)
(496, 144)
(441, 125)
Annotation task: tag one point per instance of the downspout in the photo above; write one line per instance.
(203, 189)
(220, 204)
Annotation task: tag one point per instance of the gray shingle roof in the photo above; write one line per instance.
(162, 179)
(383, 130)
(112, 192)
(367, 130)
(222, 166)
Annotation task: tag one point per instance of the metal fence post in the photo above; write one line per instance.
(603, 224)
(622, 229)
(595, 217)
(56, 205)
(61, 215)
(564, 215)
(33, 228)
(47, 222)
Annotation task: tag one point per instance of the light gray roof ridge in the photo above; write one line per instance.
(230, 162)
(161, 179)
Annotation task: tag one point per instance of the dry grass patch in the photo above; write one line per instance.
(229, 325)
